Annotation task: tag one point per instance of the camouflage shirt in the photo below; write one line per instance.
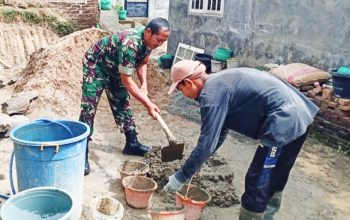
(121, 52)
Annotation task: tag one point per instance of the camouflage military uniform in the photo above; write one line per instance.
(102, 66)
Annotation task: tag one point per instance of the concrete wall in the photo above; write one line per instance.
(83, 13)
(316, 32)
(158, 8)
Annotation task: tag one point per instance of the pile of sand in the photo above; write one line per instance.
(24, 3)
(56, 73)
(18, 41)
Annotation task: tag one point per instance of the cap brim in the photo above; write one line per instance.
(173, 87)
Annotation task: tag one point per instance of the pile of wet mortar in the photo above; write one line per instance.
(214, 177)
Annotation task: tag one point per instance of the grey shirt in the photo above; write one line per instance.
(253, 103)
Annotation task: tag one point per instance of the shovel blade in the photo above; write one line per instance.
(172, 152)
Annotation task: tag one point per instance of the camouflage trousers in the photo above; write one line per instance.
(95, 80)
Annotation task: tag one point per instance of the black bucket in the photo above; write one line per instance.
(341, 84)
(205, 59)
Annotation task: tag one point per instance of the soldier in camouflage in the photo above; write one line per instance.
(109, 65)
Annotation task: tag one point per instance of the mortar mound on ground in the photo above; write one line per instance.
(214, 177)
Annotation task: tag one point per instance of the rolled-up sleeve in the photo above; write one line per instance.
(213, 119)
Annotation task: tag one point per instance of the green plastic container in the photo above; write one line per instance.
(222, 54)
(106, 4)
(166, 61)
(122, 14)
(344, 70)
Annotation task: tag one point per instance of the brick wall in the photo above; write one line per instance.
(83, 13)
(332, 123)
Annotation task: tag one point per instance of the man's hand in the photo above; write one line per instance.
(173, 184)
(152, 110)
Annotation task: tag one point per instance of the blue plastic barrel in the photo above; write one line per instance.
(38, 203)
(52, 153)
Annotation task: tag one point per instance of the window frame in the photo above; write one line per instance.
(205, 11)
(186, 48)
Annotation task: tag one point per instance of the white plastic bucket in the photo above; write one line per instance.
(106, 208)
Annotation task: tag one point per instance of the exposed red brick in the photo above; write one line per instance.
(345, 102)
(332, 105)
(344, 107)
(327, 93)
(317, 90)
(83, 15)
(311, 93)
(318, 100)
(306, 88)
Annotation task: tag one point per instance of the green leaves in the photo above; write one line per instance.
(11, 15)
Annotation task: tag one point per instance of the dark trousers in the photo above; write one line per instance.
(268, 173)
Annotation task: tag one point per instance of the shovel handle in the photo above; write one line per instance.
(165, 128)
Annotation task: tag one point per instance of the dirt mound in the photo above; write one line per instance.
(18, 41)
(56, 72)
(24, 3)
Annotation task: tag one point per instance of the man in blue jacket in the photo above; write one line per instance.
(255, 104)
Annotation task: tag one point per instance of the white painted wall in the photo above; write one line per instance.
(158, 8)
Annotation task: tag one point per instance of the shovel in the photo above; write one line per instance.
(175, 149)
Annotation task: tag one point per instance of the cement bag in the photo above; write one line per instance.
(299, 74)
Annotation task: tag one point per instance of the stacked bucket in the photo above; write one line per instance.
(139, 190)
(223, 58)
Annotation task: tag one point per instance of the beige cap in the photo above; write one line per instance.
(184, 69)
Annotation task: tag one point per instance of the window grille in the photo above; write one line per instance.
(187, 52)
(207, 7)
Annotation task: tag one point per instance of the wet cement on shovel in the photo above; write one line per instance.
(214, 177)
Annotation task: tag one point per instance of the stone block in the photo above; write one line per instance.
(311, 93)
(318, 100)
(317, 90)
(344, 102)
(19, 102)
(332, 105)
(344, 107)
(306, 88)
(333, 117)
(327, 93)
(324, 104)
(342, 113)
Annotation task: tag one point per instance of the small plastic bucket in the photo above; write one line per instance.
(133, 168)
(138, 190)
(232, 62)
(194, 202)
(122, 14)
(216, 66)
(106, 208)
(174, 213)
(166, 61)
(106, 4)
(223, 54)
(205, 59)
(39, 203)
(341, 84)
